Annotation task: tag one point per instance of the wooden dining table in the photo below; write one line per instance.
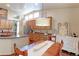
(45, 48)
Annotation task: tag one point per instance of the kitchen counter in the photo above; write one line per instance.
(7, 43)
(13, 37)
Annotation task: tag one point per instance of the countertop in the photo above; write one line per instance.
(14, 37)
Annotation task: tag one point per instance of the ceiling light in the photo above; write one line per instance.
(8, 5)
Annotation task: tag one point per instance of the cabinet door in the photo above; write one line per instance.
(7, 25)
(10, 24)
(3, 13)
(3, 23)
(0, 24)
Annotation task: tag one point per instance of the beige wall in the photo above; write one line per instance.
(8, 48)
(70, 15)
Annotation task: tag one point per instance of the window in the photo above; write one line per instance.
(30, 16)
(26, 18)
(36, 14)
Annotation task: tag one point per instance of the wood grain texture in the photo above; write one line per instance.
(32, 24)
(54, 50)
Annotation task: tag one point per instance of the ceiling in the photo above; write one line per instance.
(13, 7)
(18, 8)
(60, 5)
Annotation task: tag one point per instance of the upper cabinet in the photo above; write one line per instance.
(3, 13)
(4, 23)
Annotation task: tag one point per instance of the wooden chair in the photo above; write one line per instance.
(18, 52)
(54, 50)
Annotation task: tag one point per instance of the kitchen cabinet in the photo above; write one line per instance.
(6, 27)
(6, 24)
(3, 13)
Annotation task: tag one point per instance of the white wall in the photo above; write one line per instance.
(11, 14)
(70, 15)
(7, 44)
